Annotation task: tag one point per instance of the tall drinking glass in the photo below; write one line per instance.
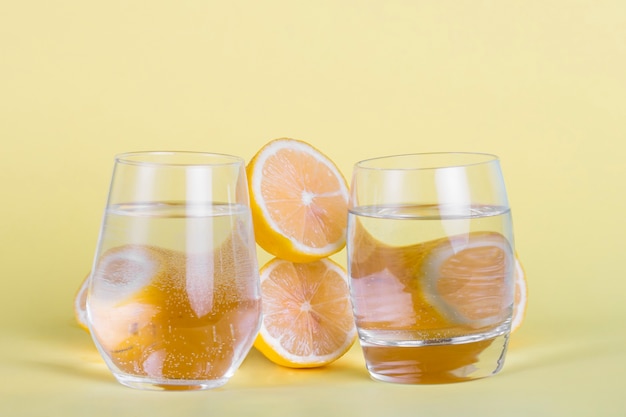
(431, 263)
(174, 297)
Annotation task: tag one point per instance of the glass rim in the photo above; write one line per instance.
(177, 158)
(465, 159)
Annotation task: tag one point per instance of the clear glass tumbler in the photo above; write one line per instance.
(431, 264)
(174, 298)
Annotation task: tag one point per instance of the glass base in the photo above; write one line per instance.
(169, 385)
(435, 364)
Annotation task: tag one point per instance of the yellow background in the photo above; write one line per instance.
(540, 83)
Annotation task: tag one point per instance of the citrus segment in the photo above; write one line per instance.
(467, 277)
(186, 317)
(80, 304)
(521, 296)
(122, 302)
(455, 282)
(307, 316)
(123, 271)
(299, 201)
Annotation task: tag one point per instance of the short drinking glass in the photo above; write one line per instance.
(174, 298)
(431, 264)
